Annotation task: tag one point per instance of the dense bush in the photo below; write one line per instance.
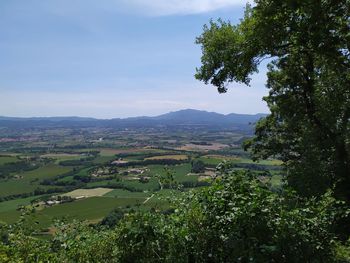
(112, 218)
(197, 166)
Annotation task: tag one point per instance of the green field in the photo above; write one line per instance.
(8, 159)
(103, 159)
(62, 157)
(151, 185)
(47, 171)
(213, 160)
(94, 208)
(180, 172)
(29, 181)
(10, 216)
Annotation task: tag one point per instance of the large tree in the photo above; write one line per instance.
(307, 45)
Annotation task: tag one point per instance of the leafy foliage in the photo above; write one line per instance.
(236, 220)
(307, 44)
(197, 166)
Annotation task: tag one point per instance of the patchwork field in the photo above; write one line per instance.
(79, 179)
(93, 208)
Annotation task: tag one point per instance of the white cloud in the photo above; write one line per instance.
(172, 7)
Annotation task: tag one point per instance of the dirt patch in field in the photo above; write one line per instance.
(88, 192)
(216, 156)
(196, 147)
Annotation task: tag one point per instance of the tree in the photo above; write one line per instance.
(307, 45)
(112, 219)
(197, 166)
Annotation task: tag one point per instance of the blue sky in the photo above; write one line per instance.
(112, 58)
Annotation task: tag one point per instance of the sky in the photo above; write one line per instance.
(113, 58)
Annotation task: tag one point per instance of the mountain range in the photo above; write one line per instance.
(188, 117)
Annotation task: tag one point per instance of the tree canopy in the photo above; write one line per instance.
(307, 44)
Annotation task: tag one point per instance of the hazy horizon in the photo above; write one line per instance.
(116, 117)
(113, 59)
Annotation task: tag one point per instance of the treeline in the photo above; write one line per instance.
(79, 162)
(141, 155)
(53, 180)
(257, 167)
(250, 166)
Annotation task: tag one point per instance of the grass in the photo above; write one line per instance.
(84, 172)
(30, 180)
(14, 204)
(8, 159)
(62, 156)
(151, 185)
(8, 209)
(10, 216)
(180, 172)
(216, 159)
(103, 159)
(46, 171)
(100, 183)
(94, 208)
(12, 187)
(108, 152)
(113, 152)
(212, 160)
